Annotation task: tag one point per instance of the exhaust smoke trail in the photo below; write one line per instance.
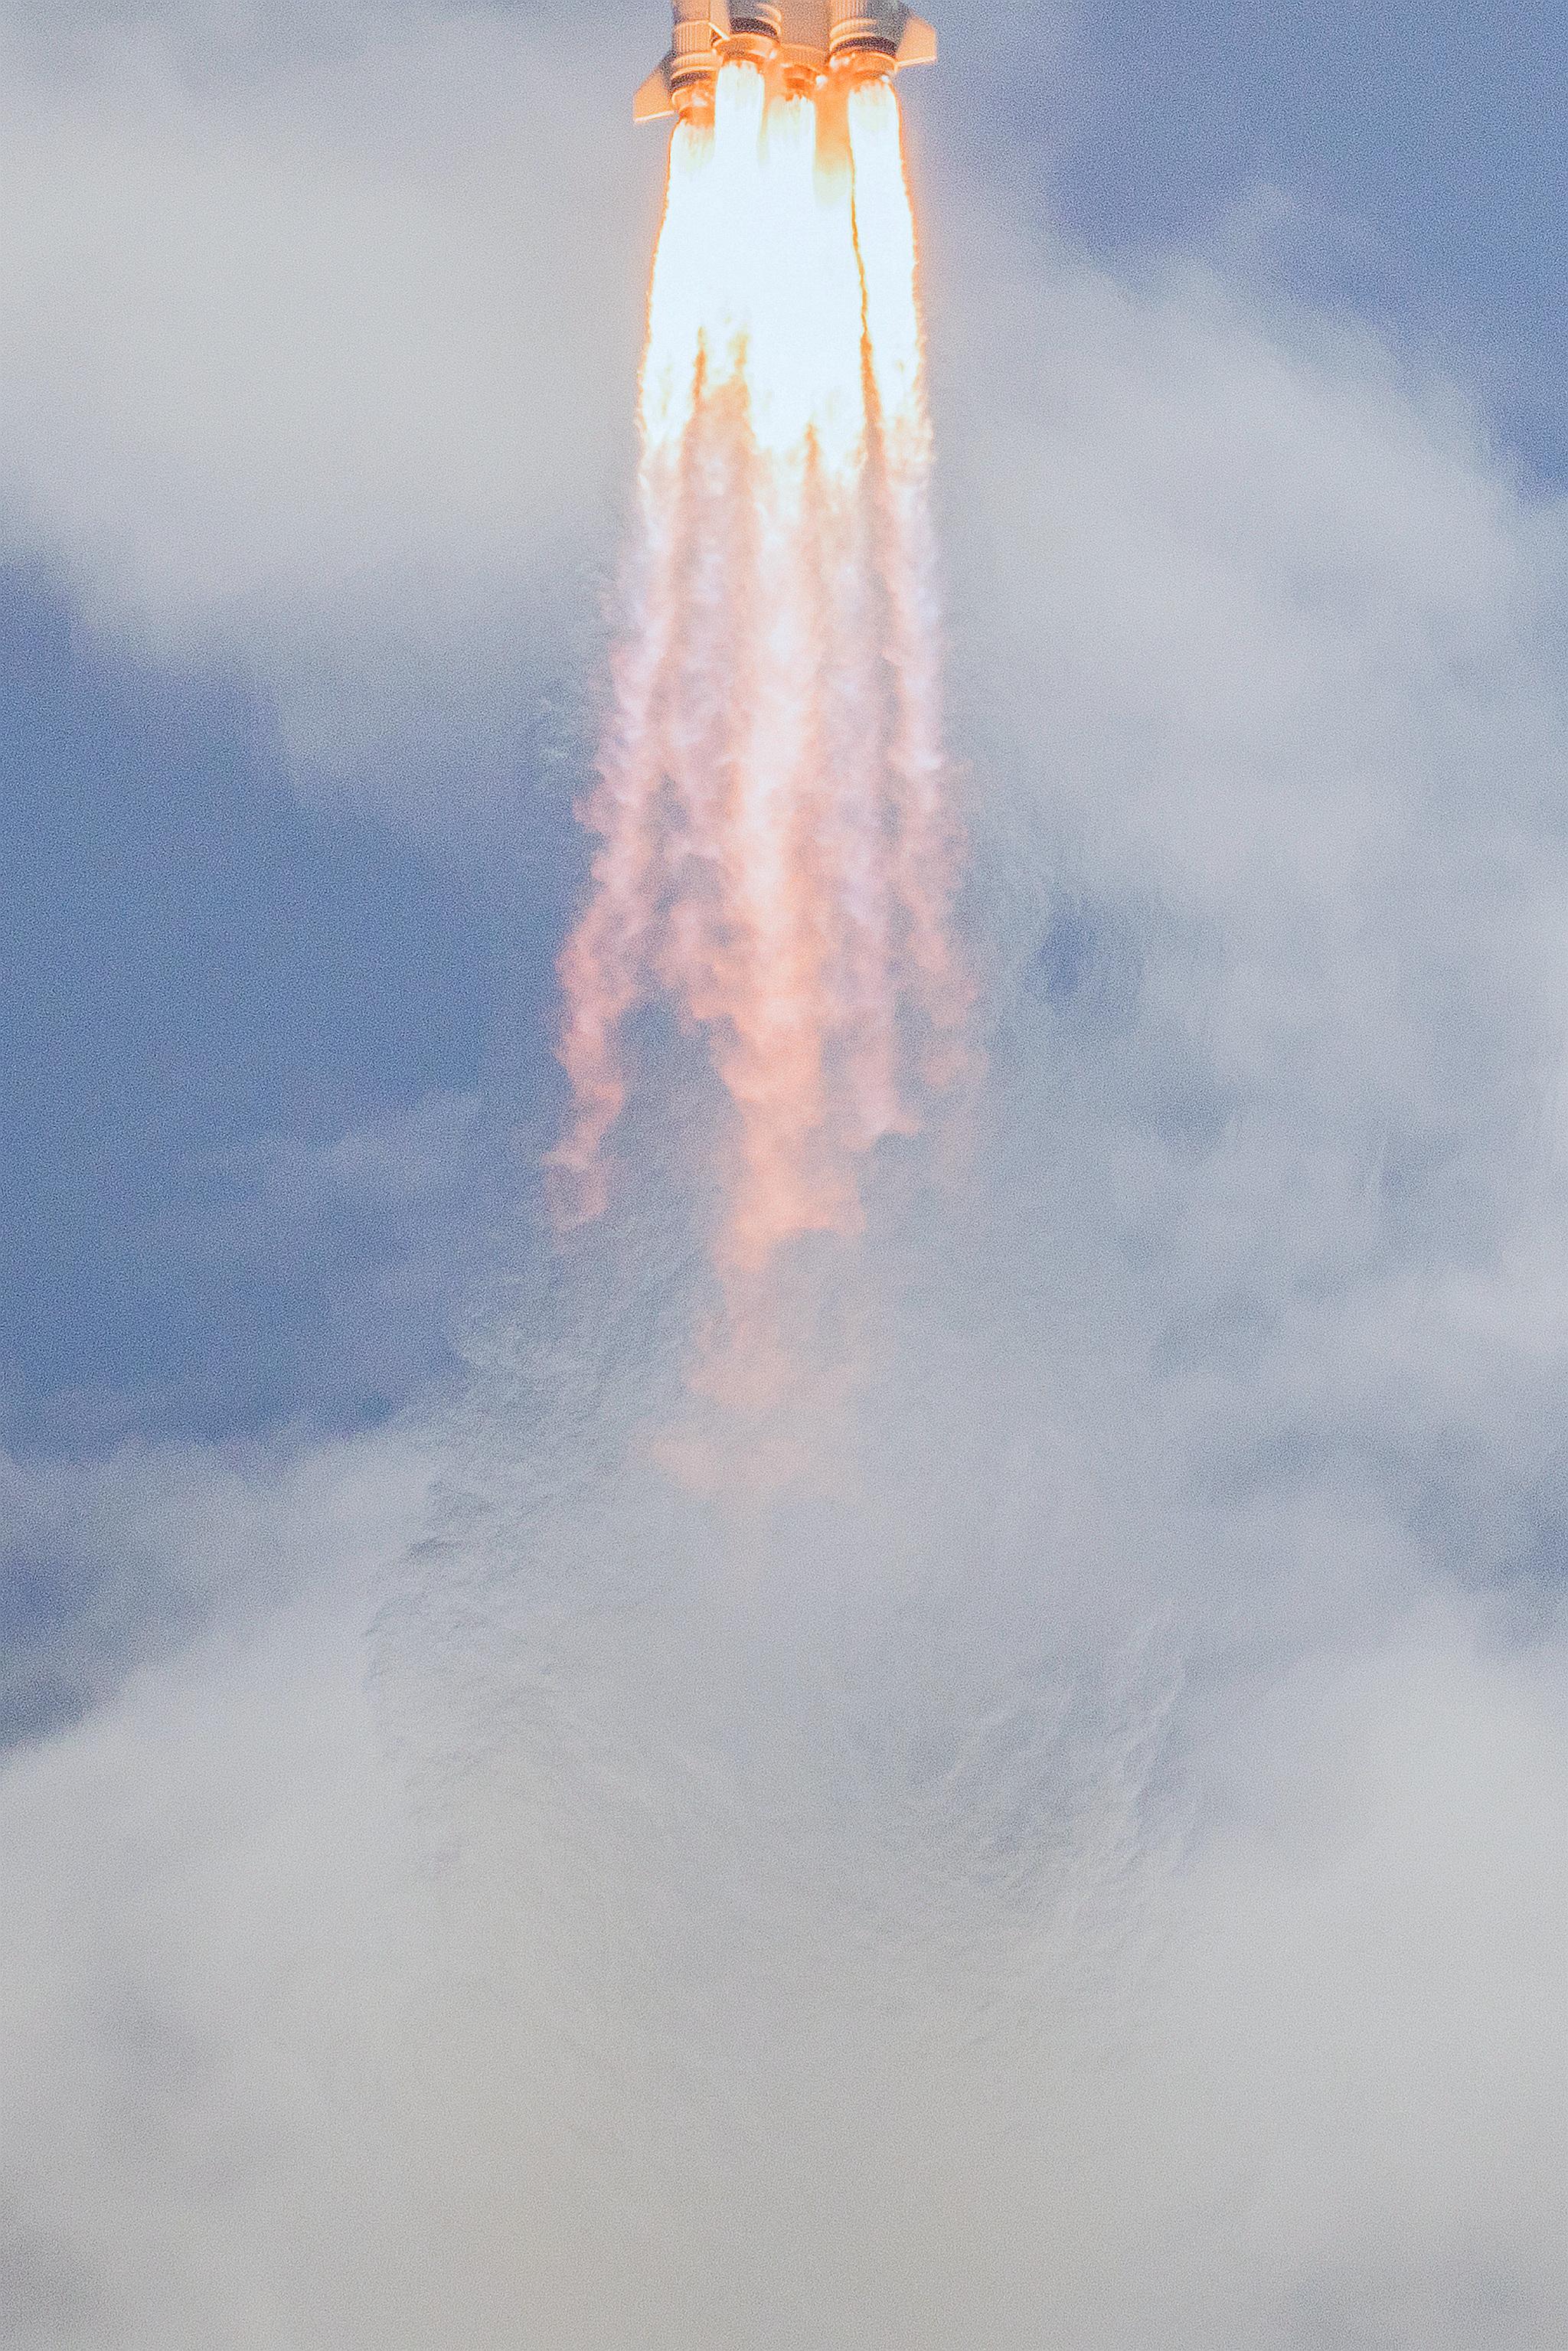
(776, 850)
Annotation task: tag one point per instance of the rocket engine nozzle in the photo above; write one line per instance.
(755, 30)
(802, 41)
(860, 42)
(692, 67)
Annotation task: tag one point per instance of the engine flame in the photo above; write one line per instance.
(776, 846)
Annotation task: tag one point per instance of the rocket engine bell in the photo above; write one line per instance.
(687, 73)
(755, 33)
(858, 33)
(803, 39)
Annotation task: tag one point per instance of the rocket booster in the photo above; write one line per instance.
(802, 41)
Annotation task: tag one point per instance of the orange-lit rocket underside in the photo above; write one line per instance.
(801, 40)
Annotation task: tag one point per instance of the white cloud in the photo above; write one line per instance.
(318, 357)
(757, 1977)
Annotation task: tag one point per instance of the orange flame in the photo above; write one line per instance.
(776, 848)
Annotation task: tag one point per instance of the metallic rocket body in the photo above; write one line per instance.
(803, 40)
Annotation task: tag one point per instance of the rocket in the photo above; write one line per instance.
(803, 40)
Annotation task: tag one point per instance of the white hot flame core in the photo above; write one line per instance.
(776, 849)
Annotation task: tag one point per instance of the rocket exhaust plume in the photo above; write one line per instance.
(776, 851)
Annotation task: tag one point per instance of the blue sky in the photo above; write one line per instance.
(197, 967)
(1421, 147)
